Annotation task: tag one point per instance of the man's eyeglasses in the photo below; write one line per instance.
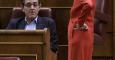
(30, 4)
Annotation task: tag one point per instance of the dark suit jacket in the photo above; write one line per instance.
(42, 22)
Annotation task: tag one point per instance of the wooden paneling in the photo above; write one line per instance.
(108, 9)
(5, 14)
(63, 52)
(61, 17)
(9, 3)
(114, 30)
(27, 57)
(102, 58)
(57, 3)
(45, 3)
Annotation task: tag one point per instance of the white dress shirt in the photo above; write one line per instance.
(32, 25)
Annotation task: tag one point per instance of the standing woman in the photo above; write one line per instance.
(80, 30)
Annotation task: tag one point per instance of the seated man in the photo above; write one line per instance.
(32, 21)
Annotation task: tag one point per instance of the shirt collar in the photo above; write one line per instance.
(35, 20)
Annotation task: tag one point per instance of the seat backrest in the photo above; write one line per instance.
(100, 5)
(99, 18)
(17, 12)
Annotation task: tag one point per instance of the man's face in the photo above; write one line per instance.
(31, 8)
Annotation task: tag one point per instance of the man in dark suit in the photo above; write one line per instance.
(32, 21)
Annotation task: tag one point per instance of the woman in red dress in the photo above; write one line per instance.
(80, 30)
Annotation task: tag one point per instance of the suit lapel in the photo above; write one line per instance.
(22, 24)
(39, 24)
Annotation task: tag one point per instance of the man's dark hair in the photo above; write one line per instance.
(23, 2)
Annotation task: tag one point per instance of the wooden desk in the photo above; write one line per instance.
(28, 45)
